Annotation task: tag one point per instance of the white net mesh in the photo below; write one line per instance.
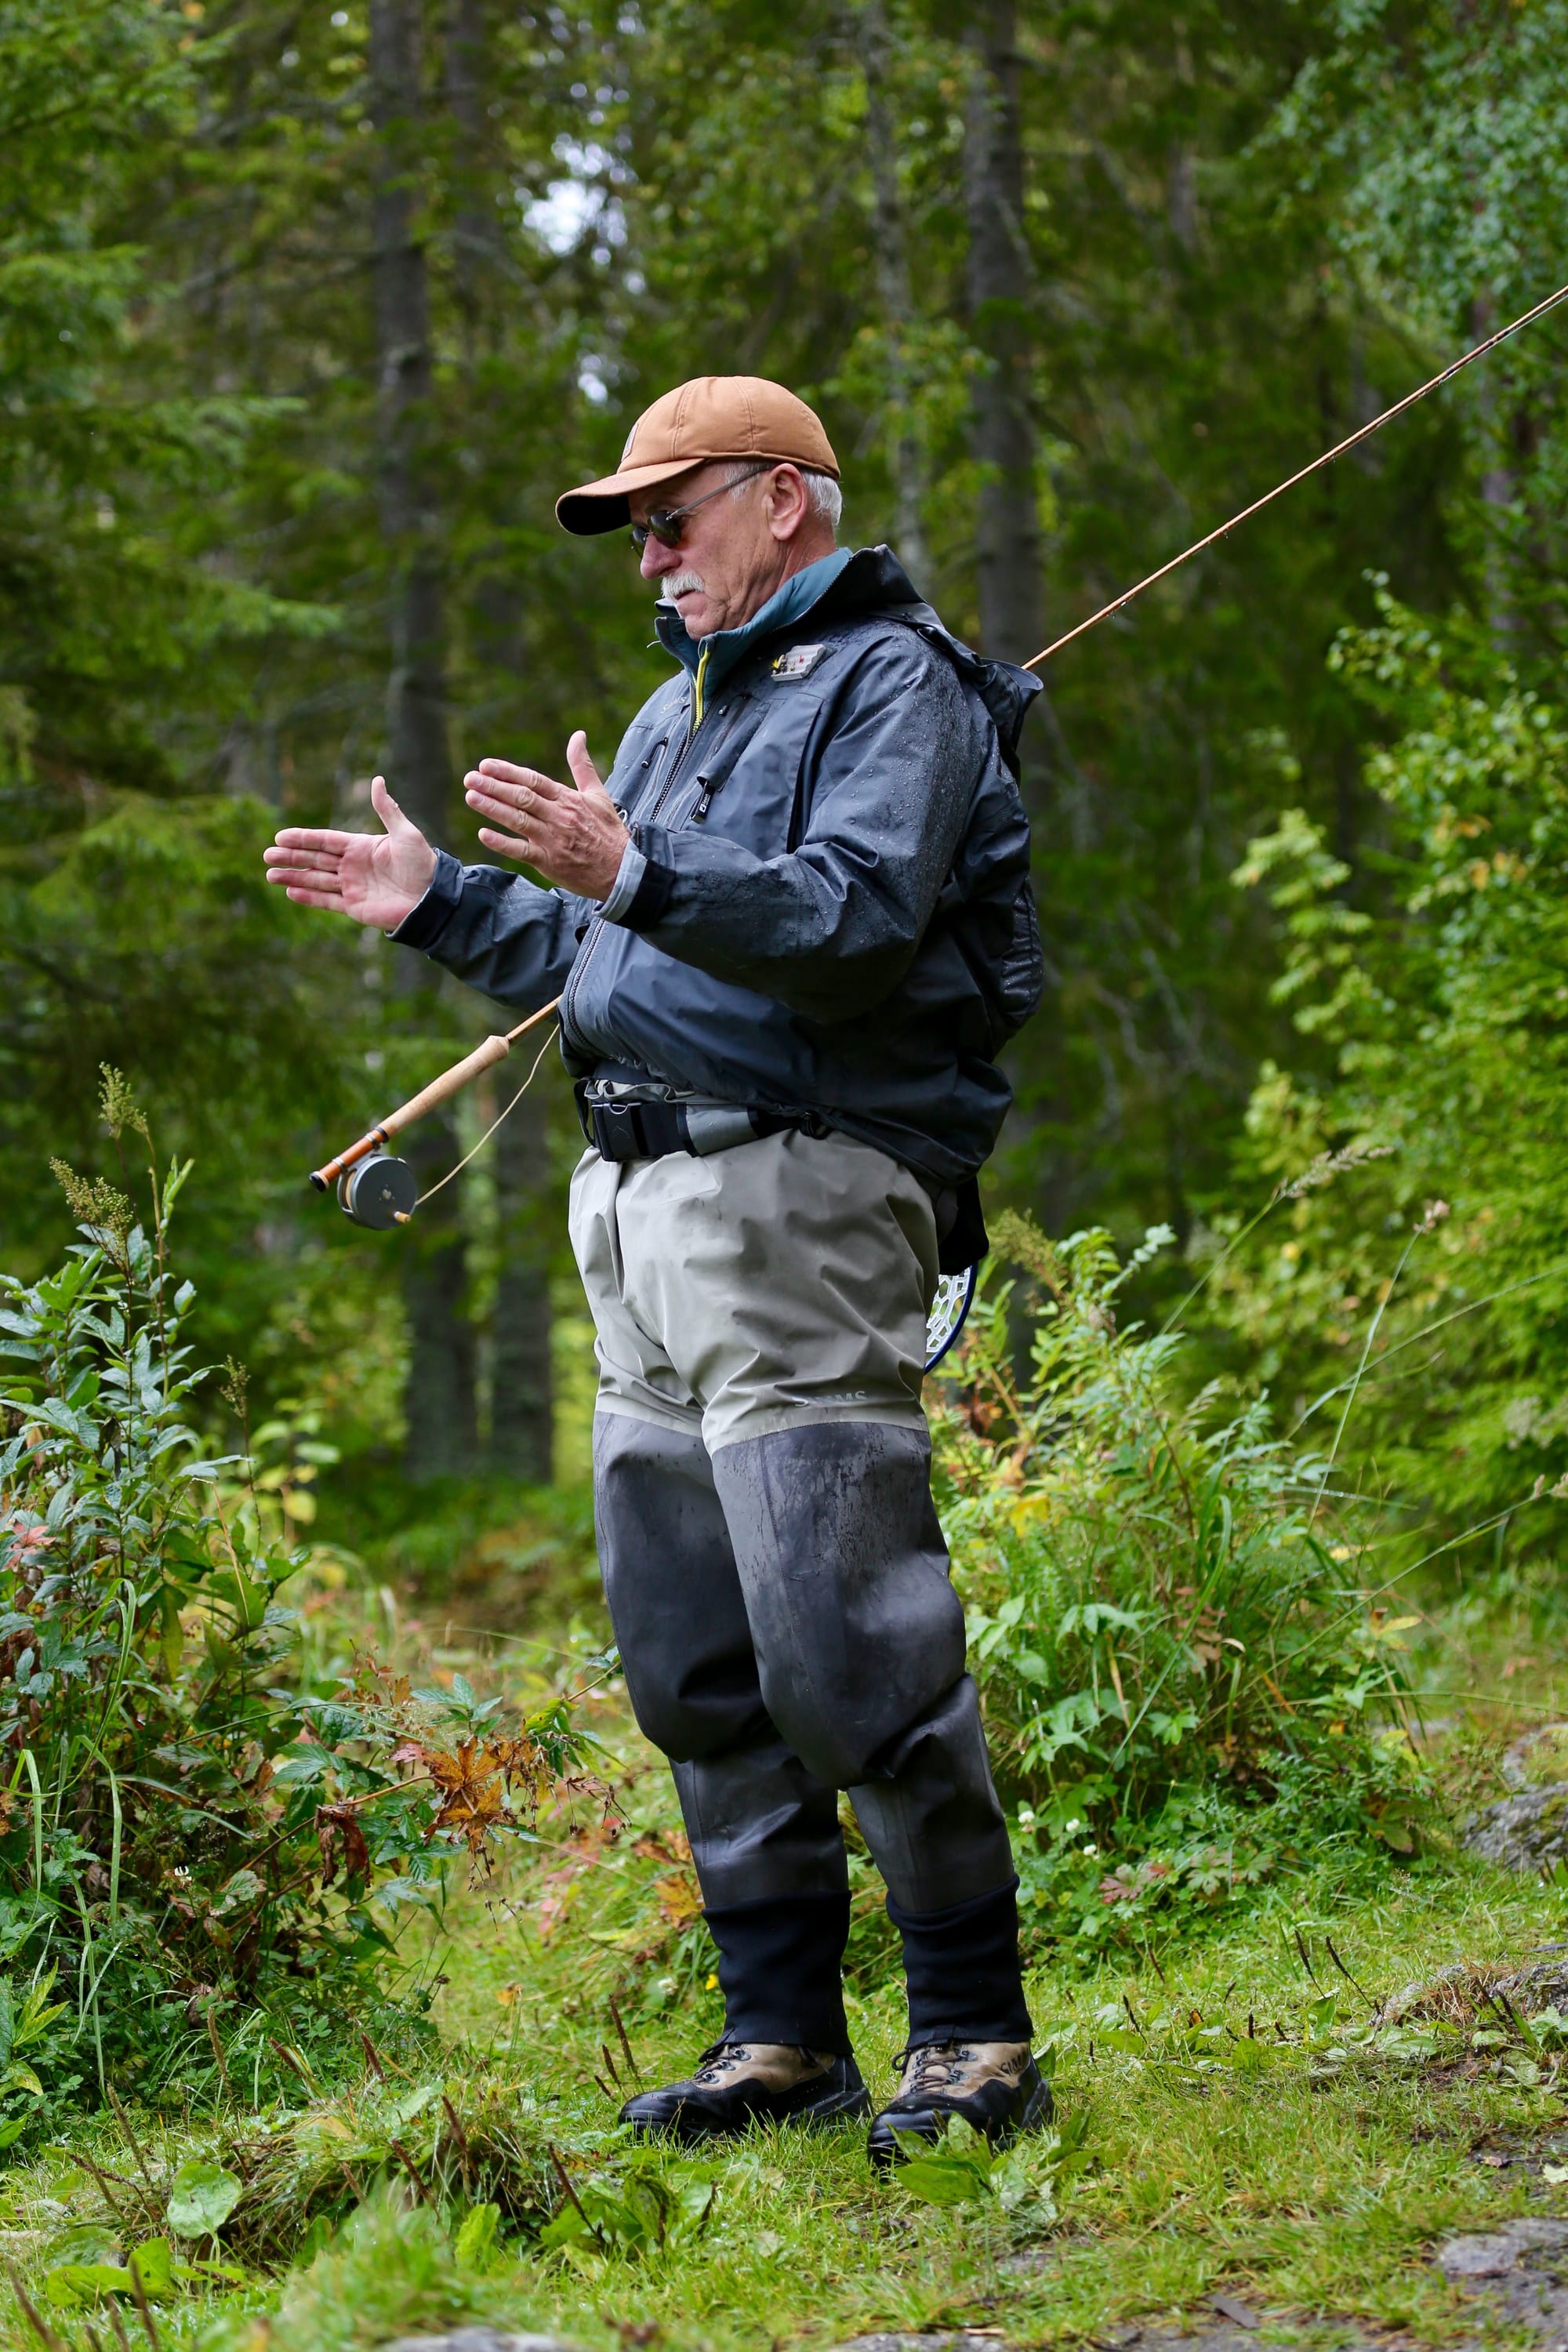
(954, 1295)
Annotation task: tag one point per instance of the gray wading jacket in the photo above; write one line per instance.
(835, 915)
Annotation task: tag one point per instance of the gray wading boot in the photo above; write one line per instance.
(994, 2085)
(737, 2084)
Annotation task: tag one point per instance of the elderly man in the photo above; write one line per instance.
(790, 938)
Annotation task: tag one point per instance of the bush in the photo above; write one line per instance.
(1190, 1685)
(186, 1827)
(1428, 999)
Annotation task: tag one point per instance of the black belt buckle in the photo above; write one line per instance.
(617, 1131)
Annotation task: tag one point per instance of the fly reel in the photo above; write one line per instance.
(379, 1192)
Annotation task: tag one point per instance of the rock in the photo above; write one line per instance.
(1228, 2337)
(941, 2343)
(479, 2339)
(1450, 1995)
(1458, 1993)
(1540, 1754)
(1525, 1831)
(1521, 2267)
(1478, 2258)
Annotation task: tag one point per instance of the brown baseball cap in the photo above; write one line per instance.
(712, 416)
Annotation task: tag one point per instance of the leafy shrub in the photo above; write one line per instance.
(1189, 1686)
(1429, 1006)
(1019, 2181)
(180, 1829)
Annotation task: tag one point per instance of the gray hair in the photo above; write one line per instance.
(826, 497)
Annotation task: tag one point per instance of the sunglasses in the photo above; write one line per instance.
(667, 524)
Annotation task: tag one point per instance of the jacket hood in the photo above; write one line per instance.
(874, 580)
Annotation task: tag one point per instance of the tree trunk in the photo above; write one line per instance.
(1008, 529)
(476, 233)
(521, 1405)
(439, 1404)
(896, 290)
(418, 765)
(521, 1396)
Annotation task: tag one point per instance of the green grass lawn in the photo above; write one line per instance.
(1223, 2155)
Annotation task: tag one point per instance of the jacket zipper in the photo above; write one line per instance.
(663, 791)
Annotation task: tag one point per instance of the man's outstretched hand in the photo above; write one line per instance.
(377, 878)
(574, 838)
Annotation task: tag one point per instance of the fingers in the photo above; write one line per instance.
(283, 862)
(501, 812)
(521, 787)
(298, 836)
(507, 844)
(387, 809)
(300, 897)
(585, 775)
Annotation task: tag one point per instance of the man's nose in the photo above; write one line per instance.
(657, 558)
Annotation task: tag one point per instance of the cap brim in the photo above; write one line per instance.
(605, 506)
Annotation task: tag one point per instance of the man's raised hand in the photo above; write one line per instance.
(375, 878)
(576, 838)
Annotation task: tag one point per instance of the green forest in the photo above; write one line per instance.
(340, 1899)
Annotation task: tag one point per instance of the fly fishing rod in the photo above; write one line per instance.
(1361, 433)
(378, 1190)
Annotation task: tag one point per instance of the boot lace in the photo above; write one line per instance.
(718, 2058)
(722, 2056)
(935, 2066)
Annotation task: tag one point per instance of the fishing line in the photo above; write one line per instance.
(1350, 442)
(489, 1130)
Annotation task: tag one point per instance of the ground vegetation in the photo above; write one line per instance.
(339, 1903)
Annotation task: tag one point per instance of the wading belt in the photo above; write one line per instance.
(621, 1125)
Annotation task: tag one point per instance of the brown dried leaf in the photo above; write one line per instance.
(342, 1837)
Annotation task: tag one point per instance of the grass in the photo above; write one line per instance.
(1316, 2192)
(1319, 2200)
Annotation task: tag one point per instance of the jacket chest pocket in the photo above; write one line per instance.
(754, 788)
(649, 752)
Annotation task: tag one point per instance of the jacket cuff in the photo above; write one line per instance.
(626, 883)
(424, 924)
(655, 884)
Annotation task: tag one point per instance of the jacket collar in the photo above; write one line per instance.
(843, 586)
(724, 647)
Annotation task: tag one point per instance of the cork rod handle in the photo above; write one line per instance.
(450, 1082)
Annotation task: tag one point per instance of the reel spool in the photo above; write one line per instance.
(379, 1192)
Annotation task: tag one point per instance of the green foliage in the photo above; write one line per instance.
(104, 600)
(149, 2274)
(391, 2269)
(1021, 2181)
(1444, 132)
(257, 2192)
(1433, 1038)
(652, 2199)
(1189, 1683)
(178, 1830)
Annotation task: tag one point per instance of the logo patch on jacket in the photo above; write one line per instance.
(799, 662)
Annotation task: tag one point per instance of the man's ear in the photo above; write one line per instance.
(788, 504)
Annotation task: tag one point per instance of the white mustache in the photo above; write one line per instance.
(683, 584)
